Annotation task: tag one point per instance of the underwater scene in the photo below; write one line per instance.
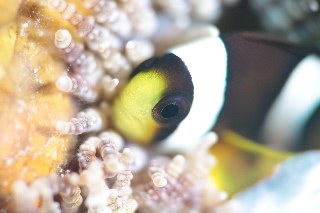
(160, 106)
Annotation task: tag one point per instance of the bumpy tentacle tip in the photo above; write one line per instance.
(138, 51)
(54, 3)
(86, 26)
(175, 167)
(159, 181)
(109, 83)
(114, 137)
(63, 127)
(209, 140)
(141, 157)
(127, 157)
(90, 3)
(62, 38)
(89, 120)
(179, 160)
(69, 11)
(114, 166)
(76, 85)
(95, 121)
(64, 83)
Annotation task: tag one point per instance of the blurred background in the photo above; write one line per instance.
(295, 20)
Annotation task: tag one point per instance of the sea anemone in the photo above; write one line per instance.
(62, 64)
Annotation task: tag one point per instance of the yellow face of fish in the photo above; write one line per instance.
(155, 100)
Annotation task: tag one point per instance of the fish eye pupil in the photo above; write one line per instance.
(170, 111)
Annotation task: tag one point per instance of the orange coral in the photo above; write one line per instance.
(31, 147)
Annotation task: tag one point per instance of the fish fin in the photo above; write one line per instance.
(242, 162)
(293, 187)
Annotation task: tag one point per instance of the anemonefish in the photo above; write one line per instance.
(257, 86)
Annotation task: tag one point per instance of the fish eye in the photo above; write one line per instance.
(171, 110)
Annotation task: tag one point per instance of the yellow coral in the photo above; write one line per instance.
(30, 103)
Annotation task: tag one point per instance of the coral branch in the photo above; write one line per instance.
(97, 191)
(76, 85)
(89, 120)
(82, 61)
(41, 194)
